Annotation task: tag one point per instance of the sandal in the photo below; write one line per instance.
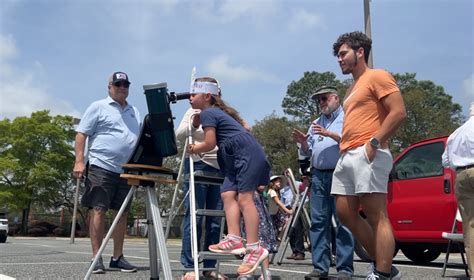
(214, 275)
(189, 276)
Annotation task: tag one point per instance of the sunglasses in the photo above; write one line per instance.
(323, 99)
(121, 84)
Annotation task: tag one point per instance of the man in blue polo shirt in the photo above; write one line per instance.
(321, 143)
(112, 127)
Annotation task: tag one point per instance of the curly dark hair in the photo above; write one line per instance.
(354, 40)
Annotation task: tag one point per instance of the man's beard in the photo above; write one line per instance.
(351, 66)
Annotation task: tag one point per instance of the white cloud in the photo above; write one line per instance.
(7, 48)
(19, 93)
(303, 20)
(468, 87)
(220, 66)
(226, 11)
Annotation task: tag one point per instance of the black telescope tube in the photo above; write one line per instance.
(179, 96)
(161, 119)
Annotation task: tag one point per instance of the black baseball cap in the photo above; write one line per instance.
(118, 77)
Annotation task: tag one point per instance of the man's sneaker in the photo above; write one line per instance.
(343, 275)
(229, 246)
(395, 274)
(122, 264)
(99, 267)
(252, 260)
(291, 257)
(299, 257)
(315, 274)
(375, 276)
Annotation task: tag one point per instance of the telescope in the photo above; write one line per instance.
(157, 139)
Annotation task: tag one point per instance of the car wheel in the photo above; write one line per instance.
(3, 238)
(362, 253)
(420, 253)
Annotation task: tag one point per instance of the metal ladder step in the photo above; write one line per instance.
(203, 177)
(210, 213)
(207, 255)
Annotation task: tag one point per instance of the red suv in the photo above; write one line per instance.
(421, 202)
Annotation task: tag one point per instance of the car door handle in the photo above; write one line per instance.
(447, 186)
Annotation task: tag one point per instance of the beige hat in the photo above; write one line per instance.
(323, 90)
(282, 178)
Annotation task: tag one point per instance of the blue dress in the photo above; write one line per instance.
(241, 158)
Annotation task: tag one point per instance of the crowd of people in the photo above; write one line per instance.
(347, 147)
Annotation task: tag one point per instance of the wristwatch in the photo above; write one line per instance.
(374, 142)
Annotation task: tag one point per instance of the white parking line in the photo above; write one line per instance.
(6, 277)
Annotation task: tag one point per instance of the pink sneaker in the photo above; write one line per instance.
(229, 246)
(252, 260)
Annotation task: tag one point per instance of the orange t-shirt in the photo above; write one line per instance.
(363, 109)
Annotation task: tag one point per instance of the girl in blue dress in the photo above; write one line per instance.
(244, 166)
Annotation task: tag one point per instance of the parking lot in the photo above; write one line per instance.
(57, 258)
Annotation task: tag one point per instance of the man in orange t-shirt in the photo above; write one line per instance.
(374, 109)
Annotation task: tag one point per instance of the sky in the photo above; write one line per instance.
(58, 54)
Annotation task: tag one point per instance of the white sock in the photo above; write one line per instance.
(253, 246)
(234, 237)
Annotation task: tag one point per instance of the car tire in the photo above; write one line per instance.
(362, 253)
(421, 253)
(3, 238)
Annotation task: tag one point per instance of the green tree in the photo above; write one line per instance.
(35, 161)
(430, 112)
(274, 133)
(298, 103)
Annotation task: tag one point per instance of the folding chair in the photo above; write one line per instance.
(298, 205)
(456, 237)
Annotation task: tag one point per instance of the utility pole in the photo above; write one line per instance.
(368, 29)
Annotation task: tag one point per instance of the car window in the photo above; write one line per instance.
(421, 161)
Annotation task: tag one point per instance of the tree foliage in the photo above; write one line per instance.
(35, 161)
(274, 133)
(298, 103)
(430, 111)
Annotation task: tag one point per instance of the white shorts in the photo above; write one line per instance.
(355, 175)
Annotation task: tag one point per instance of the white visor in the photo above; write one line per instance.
(204, 87)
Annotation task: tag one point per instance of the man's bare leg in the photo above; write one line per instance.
(375, 208)
(96, 229)
(119, 235)
(348, 213)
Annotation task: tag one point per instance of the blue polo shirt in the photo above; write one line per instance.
(286, 196)
(112, 133)
(324, 151)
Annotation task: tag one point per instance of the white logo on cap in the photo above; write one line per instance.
(119, 76)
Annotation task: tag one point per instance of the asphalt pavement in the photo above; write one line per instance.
(57, 258)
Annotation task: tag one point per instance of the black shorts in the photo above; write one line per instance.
(104, 189)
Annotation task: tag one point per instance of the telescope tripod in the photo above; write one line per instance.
(146, 176)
